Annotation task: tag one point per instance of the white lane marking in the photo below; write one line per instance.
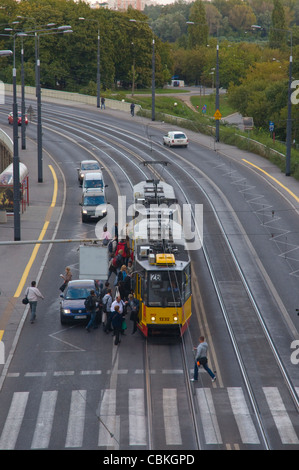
(208, 416)
(109, 422)
(13, 421)
(137, 420)
(43, 428)
(281, 418)
(242, 416)
(75, 429)
(171, 417)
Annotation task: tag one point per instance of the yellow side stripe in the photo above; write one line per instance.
(274, 179)
(41, 236)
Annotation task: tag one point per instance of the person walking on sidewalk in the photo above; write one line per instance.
(33, 294)
(201, 359)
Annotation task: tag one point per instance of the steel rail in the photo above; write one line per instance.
(221, 303)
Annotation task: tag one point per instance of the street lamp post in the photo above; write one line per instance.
(217, 101)
(153, 81)
(37, 34)
(23, 124)
(289, 112)
(153, 70)
(98, 60)
(217, 93)
(16, 160)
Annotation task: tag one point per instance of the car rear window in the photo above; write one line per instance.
(93, 184)
(90, 166)
(179, 136)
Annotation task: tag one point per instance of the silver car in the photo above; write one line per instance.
(87, 166)
(93, 205)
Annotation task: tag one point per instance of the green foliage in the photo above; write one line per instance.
(277, 35)
(70, 61)
(198, 32)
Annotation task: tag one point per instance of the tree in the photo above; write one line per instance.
(241, 17)
(198, 32)
(277, 35)
(262, 94)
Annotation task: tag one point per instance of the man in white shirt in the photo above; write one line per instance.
(118, 302)
(33, 294)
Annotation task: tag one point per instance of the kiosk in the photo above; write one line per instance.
(6, 188)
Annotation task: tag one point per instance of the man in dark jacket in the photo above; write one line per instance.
(134, 305)
(117, 320)
(91, 307)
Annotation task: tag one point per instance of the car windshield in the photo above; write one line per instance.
(164, 288)
(94, 184)
(93, 200)
(179, 136)
(75, 293)
(90, 166)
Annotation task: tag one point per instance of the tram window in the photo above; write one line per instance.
(144, 288)
(165, 288)
(187, 282)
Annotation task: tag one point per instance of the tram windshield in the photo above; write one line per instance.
(165, 288)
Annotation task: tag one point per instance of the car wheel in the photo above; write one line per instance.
(62, 320)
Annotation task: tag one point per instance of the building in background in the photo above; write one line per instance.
(122, 5)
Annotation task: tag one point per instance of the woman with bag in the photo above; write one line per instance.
(67, 277)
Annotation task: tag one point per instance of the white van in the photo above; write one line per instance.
(93, 181)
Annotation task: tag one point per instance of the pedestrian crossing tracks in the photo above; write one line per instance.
(113, 424)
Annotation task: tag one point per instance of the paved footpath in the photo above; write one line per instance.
(20, 264)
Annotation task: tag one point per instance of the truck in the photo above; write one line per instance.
(93, 262)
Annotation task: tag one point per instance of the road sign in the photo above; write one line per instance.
(271, 126)
(217, 115)
(248, 123)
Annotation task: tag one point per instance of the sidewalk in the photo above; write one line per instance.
(15, 258)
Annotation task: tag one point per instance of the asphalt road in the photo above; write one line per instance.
(65, 388)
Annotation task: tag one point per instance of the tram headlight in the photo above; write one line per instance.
(153, 318)
(175, 318)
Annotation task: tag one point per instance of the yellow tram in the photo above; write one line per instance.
(161, 262)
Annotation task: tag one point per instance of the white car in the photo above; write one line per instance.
(88, 166)
(175, 138)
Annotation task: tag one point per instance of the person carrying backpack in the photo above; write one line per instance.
(106, 310)
(116, 263)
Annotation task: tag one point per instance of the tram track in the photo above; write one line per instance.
(190, 175)
(178, 162)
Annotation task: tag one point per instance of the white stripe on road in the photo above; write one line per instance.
(13, 421)
(45, 418)
(171, 417)
(109, 422)
(137, 422)
(74, 437)
(281, 418)
(242, 416)
(208, 416)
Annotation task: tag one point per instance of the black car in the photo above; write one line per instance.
(72, 306)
